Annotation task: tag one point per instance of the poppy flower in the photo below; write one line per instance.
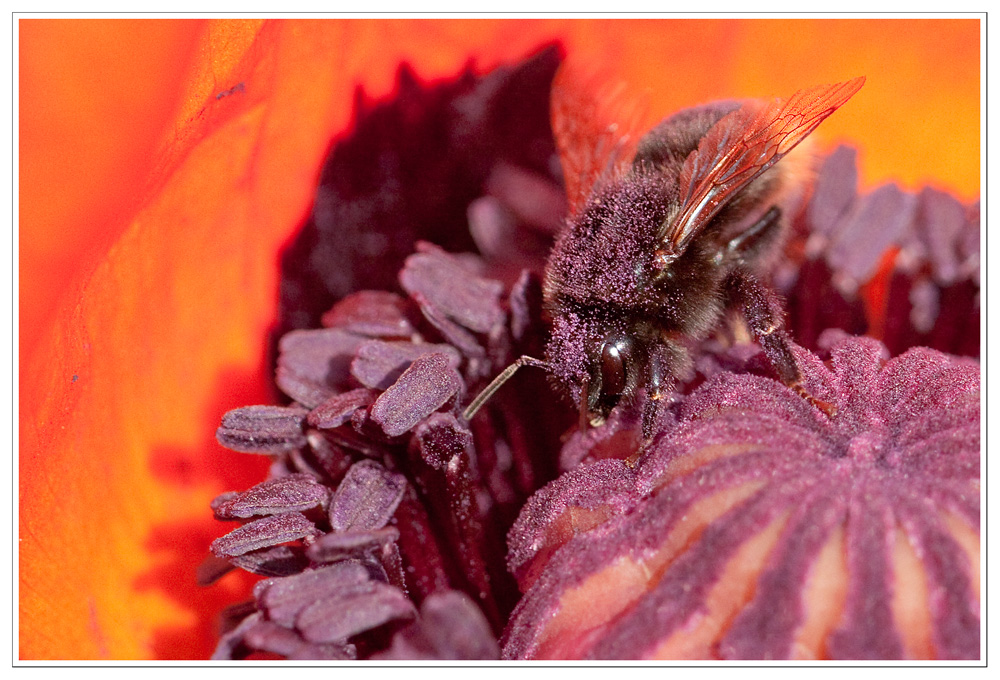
(164, 327)
(383, 496)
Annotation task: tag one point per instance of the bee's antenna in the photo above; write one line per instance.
(498, 381)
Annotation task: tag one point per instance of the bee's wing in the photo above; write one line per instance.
(739, 148)
(595, 130)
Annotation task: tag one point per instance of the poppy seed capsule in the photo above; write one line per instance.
(757, 528)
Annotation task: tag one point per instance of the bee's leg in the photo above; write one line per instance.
(654, 397)
(659, 382)
(757, 235)
(763, 312)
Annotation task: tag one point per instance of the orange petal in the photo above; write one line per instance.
(94, 98)
(164, 163)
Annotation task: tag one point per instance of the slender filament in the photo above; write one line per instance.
(498, 381)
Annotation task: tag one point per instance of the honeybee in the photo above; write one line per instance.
(658, 248)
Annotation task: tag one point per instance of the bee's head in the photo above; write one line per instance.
(598, 362)
(599, 365)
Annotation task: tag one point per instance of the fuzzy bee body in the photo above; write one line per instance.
(662, 241)
(655, 255)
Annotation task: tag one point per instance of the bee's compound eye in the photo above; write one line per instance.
(613, 358)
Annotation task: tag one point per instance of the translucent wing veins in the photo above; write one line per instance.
(738, 149)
